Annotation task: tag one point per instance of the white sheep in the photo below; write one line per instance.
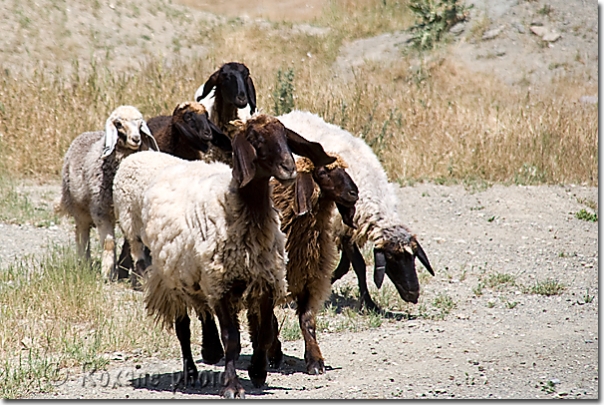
(376, 219)
(88, 170)
(215, 240)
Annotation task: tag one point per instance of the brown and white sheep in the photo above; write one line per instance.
(215, 240)
(307, 208)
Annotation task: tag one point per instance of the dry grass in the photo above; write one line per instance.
(57, 313)
(437, 122)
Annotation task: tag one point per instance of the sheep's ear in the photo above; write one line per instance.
(312, 150)
(219, 138)
(251, 94)
(304, 188)
(209, 84)
(380, 267)
(145, 129)
(191, 137)
(244, 155)
(110, 138)
(347, 214)
(421, 255)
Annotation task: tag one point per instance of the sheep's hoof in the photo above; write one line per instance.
(258, 377)
(315, 367)
(233, 392)
(211, 355)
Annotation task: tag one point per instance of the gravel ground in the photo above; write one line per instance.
(482, 349)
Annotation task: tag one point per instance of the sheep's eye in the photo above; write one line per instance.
(322, 172)
(118, 124)
(188, 117)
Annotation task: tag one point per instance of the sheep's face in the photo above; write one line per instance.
(395, 256)
(263, 148)
(233, 84)
(129, 132)
(336, 185)
(273, 155)
(192, 122)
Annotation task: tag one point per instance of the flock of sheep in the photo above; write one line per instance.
(219, 217)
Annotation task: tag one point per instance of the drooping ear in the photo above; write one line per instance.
(145, 129)
(347, 214)
(312, 150)
(304, 188)
(191, 137)
(219, 138)
(251, 94)
(244, 156)
(209, 84)
(380, 267)
(110, 137)
(421, 255)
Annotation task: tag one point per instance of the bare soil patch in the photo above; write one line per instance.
(503, 343)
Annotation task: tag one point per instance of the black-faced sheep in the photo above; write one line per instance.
(88, 170)
(228, 95)
(376, 218)
(307, 208)
(185, 134)
(215, 239)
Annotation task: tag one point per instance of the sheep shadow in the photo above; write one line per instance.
(289, 365)
(208, 382)
(341, 302)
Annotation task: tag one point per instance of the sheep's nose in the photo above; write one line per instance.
(288, 166)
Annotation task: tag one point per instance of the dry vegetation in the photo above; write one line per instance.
(437, 122)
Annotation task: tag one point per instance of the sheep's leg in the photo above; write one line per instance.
(211, 348)
(262, 334)
(183, 332)
(342, 268)
(124, 263)
(275, 354)
(315, 364)
(107, 238)
(141, 262)
(360, 268)
(229, 329)
(82, 236)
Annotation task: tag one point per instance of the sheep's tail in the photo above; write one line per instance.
(162, 299)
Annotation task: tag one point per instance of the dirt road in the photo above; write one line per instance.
(497, 342)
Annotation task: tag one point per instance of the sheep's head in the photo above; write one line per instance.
(192, 122)
(263, 147)
(395, 255)
(335, 184)
(125, 129)
(234, 84)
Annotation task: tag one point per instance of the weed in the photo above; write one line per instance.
(444, 304)
(548, 387)
(588, 202)
(490, 304)
(491, 219)
(584, 215)
(478, 289)
(588, 298)
(283, 94)
(511, 304)
(500, 280)
(548, 288)
(433, 19)
(545, 10)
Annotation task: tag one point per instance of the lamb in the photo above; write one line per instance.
(89, 167)
(307, 210)
(376, 218)
(184, 134)
(226, 95)
(215, 239)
